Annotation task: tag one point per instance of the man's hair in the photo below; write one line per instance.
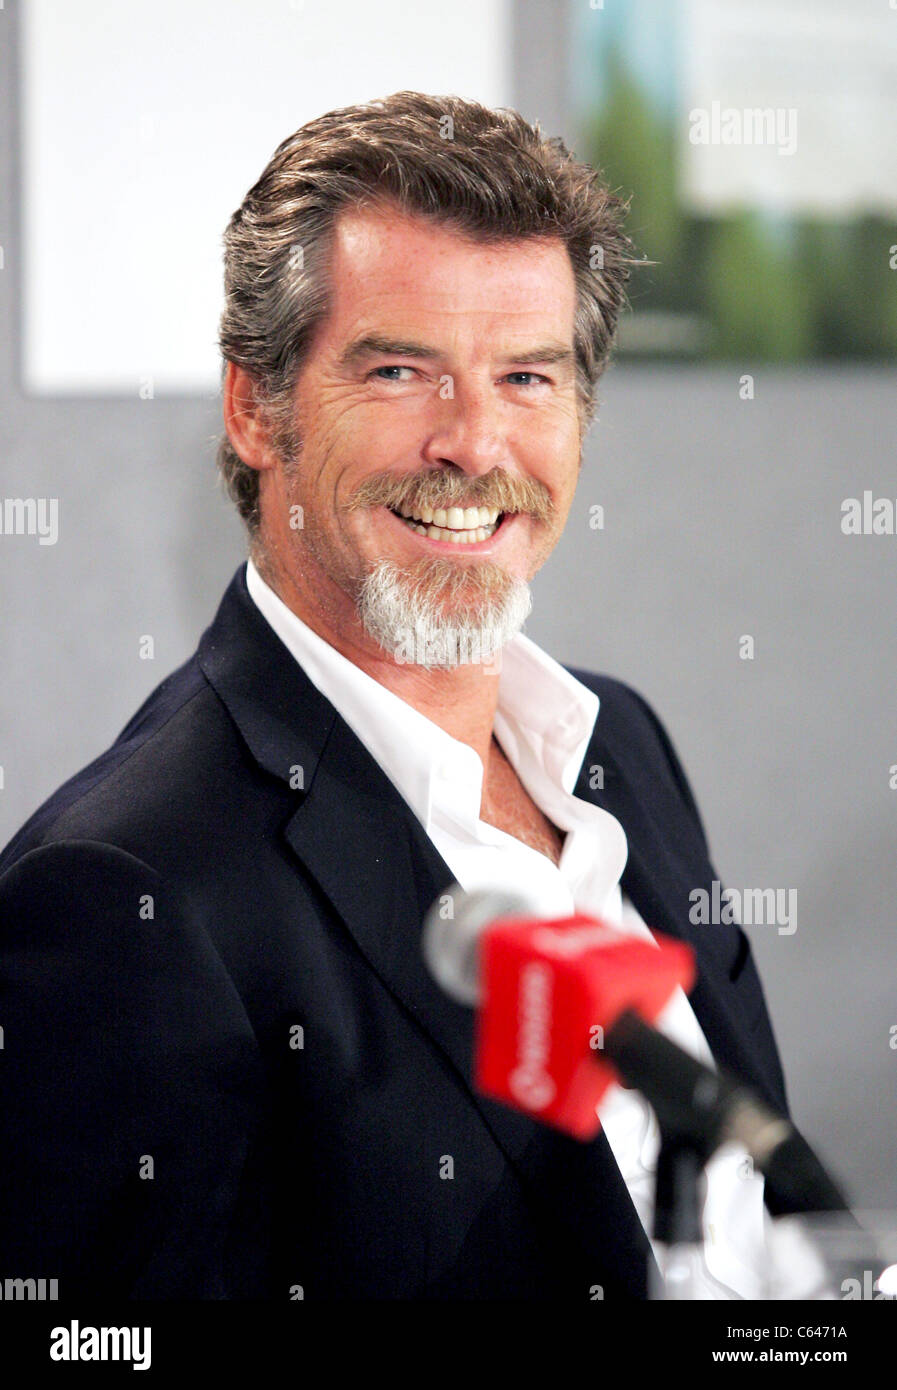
(487, 173)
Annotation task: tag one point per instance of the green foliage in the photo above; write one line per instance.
(764, 292)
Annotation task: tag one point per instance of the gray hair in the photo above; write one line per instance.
(490, 174)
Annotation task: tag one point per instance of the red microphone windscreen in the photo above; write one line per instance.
(551, 990)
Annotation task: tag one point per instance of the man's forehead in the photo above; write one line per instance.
(389, 257)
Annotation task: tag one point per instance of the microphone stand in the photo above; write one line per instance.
(686, 1145)
(680, 1188)
(697, 1111)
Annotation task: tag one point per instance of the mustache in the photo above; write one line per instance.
(437, 487)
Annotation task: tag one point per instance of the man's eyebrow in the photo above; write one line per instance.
(377, 345)
(545, 353)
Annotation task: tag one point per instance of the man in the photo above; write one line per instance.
(227, 1072)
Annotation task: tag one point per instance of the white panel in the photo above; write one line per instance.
(829, 71)
(145, 125)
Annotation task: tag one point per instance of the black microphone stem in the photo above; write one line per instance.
(699, 1109)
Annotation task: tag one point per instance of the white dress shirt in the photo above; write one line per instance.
(544, 722)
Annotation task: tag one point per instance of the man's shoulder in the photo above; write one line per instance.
(633, 735)
(160, 765)
(624, 715)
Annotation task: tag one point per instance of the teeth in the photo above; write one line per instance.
(443, 533)
(459, 518)
(460, 525)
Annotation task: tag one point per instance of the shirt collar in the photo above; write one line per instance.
(544, 718)
(544, 711)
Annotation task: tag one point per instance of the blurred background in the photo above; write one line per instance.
(753, 394)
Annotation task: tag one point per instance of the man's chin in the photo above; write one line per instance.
(440, 615)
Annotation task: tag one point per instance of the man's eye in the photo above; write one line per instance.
(532, 378)
(391, 373)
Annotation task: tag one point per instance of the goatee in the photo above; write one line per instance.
(440, 614)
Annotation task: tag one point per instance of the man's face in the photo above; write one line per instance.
(441, 382)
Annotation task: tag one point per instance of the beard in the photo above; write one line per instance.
(436, 613)
(440, 615)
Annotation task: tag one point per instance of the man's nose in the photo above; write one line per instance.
(468, 430)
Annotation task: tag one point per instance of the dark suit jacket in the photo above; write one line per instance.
(173, 917)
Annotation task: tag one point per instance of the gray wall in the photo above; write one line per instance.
(721, 519)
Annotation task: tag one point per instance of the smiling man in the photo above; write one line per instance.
(435, 443)
(228, 1072)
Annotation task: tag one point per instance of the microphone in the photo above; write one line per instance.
(564, 1008)
(551, 992)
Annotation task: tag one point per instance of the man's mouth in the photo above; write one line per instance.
(463, 525)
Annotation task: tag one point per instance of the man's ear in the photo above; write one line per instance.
(244, 419)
